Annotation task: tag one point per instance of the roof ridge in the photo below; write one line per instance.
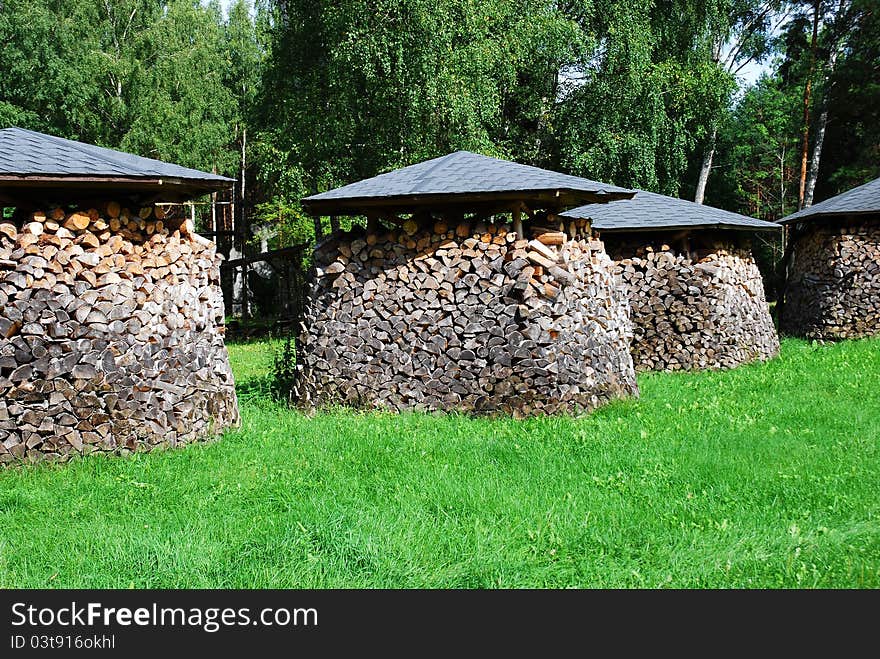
(649, 210)
(89, 150)
(845, 193)
(847, 202)
(458, 174)
(108, 161)
(438, 162)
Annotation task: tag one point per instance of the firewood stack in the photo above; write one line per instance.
(111, 335)
(833, 289)
(463, 315)
(699, 310)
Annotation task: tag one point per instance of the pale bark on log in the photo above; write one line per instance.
(700, 309)
(443, 314)
(111, 335)
(833, 286)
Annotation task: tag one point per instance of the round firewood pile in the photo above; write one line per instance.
(111, 335)
(833, 289)
(463, 315)
(701, 309)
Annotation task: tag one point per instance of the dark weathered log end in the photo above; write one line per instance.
(111, 336)
(465, 315)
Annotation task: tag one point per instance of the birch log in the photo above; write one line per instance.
(111, 335)
(464, 315)
(703, 309)
(833, 289)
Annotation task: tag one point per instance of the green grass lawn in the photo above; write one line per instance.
(766, 476)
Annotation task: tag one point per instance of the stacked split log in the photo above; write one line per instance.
(111, 335)
(833, 288)
(703, 309)
(445, 315)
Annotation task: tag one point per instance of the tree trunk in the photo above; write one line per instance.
(243, 160)
(820, 130)
(706, 168)
(238, 192)
(782, 182)
(808, 89)
(814, 160)
(243, 225)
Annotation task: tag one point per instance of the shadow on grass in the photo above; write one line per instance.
(253, 388)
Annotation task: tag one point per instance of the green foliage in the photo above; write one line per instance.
(354, 88)
(147, 76)
(758, 159)
(767, 476)
(283, 371)
(323, 93)
(611, 90)
(11, 115)
(283, 223)
(646, 95)
(852, 151)
(244, 49)
(182, 88)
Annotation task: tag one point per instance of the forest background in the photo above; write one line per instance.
(293, 97)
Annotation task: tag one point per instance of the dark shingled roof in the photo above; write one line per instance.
(29, 159)
(649, 211)
(863, 199)
(461, 177)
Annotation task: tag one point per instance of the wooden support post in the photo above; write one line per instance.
(319, 229)
(334, 223)
(233, 221)
(245, 292)
(517, 222)
(214, 228)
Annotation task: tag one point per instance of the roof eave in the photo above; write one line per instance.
(220, 181)
(681, 227)
(411, 203)
(15, 187)
(823, 214)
